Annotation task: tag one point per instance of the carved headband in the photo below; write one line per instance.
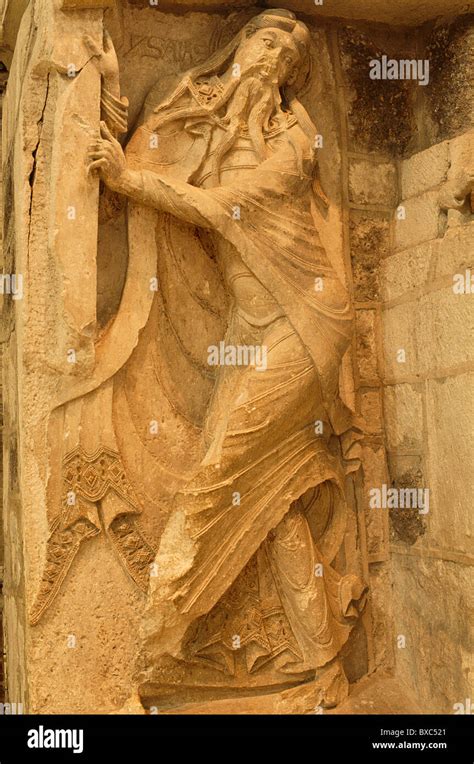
(285, 20)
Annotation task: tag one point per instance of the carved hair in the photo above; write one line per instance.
(221, 59)
(271, 19)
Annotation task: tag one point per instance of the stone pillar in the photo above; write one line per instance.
(51, 113)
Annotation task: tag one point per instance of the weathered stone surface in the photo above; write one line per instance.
(380, 118)
(379, 694)
(382, 614)
(165, 514)
(422, 267)
(450, 91)
(424, 170)
(453, 253)
(433, 601)
(375, 475)
(372, 183)
(400, 342)
(406, 271)
(445, 324)
(369, 244)
(433, 331)
(371, 410)
(366, 341)
(403, 408)
(420, 221)
(138, 427)
(460, 154)
(102, 631)
(449, 410)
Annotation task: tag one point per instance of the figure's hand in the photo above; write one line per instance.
(106, 156)
(106, 61)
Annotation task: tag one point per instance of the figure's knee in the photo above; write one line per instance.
(293, 524)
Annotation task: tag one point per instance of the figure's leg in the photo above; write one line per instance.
(267, 456)
(321, 604)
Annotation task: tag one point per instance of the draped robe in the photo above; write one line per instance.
(257, 557)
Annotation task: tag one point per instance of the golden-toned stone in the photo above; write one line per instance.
(223, 316)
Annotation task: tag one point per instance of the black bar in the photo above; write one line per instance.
(136, 738)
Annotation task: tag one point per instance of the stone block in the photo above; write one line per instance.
(450, 413)
(424, 170)
(366, 345)
(421, 221)
(369, 244)
(375, 475)
(444, 327)
(461, 153)
(381, 614)
(403, 416)
(405, 271)
(372, 183)
(400, 350)
(371, 410)
(454, 253)
(435, 331)
(432, 600)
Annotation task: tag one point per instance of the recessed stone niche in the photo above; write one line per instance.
(237, 367)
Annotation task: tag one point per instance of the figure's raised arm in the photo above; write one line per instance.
(114, 107)
(176, 197)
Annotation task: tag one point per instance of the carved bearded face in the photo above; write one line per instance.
(269, 54)
(270, 57)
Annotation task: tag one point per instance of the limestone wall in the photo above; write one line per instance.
(428, 400)
(428, 407)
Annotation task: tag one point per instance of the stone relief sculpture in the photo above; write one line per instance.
(214, 405)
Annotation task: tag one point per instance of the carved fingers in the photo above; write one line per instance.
(106, 156)
(91, 46)
(107, 135)
(105, 60)
(108, 44)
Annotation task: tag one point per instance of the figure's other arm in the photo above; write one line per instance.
(175, 197)
(114, 108)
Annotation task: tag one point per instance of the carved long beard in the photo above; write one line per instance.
(253, 103)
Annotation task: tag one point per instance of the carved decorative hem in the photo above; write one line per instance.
(96, 496)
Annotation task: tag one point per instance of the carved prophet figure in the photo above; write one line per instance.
(246, 463)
